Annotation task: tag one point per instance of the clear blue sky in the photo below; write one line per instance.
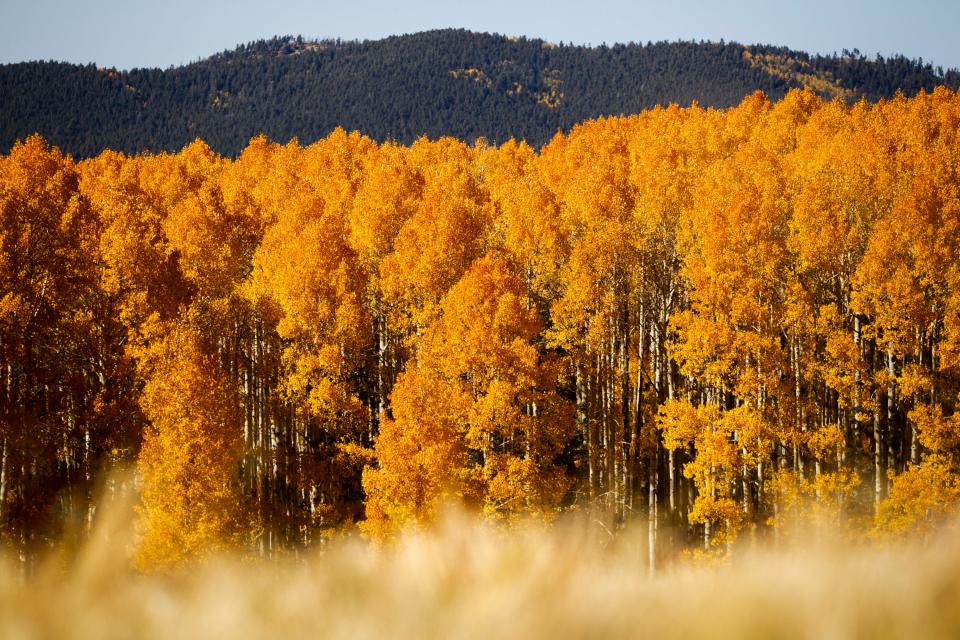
(160, 33)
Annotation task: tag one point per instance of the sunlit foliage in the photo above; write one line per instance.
(730, 322)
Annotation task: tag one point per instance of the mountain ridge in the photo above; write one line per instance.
(433, 83)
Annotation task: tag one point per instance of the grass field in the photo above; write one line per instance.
(468, 580)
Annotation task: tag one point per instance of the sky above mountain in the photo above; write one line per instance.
(136, 33)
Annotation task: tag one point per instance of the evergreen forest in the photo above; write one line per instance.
(437, 83)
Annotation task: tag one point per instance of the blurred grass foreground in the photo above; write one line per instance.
(467, 579)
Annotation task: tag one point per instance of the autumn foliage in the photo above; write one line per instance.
(724, 322)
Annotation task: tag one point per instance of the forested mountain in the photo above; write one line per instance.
(448, 82)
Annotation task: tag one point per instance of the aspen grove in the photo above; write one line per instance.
(723, 324)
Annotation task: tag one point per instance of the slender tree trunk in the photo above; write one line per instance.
(583, 420)
(652, 515)
(671, 466)
(706, 535)
(759, 500)
(3, 480)
(801, 423)
(624, 438)
(745, 486)
(633, 446)
(891, 407)
(877, 460)
(914, 445)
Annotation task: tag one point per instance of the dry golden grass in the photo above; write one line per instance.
(468, 580)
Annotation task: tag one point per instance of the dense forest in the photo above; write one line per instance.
(723, 323)
(439, 83)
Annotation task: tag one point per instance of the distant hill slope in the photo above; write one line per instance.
(448, 82)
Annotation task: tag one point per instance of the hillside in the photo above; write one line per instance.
(448, 82)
